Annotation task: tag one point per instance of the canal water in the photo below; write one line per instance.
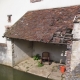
(8, 73)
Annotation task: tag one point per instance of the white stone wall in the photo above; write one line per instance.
(9, 53)
(75, 57)
(73, 62)
(3, 51)
(76, 31)
(6, 54)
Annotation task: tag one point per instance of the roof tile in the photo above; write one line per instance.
(41, 25)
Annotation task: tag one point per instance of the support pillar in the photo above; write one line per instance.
(68, 61)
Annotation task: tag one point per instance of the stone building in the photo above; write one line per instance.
(17, 8)
(54, 30)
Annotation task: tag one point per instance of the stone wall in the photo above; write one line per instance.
(75, 61)
(3, 52)
(73, 58)
(6, 53)
(22, 50)
(9, 53)
(68, 69)
(19, 50)
(57, 51)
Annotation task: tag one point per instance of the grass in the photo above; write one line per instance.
(40, 64)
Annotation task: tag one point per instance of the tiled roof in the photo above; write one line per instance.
(41, 25)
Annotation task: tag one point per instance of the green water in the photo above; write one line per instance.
(8, 73)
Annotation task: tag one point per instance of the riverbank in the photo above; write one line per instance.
(51, 71)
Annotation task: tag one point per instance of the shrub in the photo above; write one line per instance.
(36, 57)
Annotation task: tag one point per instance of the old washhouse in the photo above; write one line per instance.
(53, 30)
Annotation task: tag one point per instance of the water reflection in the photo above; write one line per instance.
(8, 73)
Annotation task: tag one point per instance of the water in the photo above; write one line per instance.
(8, 73)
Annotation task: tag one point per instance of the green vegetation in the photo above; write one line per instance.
(40, 64)
(36, 57)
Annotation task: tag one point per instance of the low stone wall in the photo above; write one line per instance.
(3, 53)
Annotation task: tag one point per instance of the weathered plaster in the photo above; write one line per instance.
(3, 51)
(74, 60)
(57, 51)
(75, 57)
(9, 53)
(6, 54)
(22, 50)
(76, 31)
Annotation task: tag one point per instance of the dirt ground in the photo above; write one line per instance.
(51, 71)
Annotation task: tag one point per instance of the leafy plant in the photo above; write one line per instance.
(36, 57)
(40, 64)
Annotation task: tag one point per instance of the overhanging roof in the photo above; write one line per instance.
(41, 25)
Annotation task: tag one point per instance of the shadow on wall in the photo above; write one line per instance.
(75, 74)
(24, 49)
(21, 51)
(23, 46)
(57, 51)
